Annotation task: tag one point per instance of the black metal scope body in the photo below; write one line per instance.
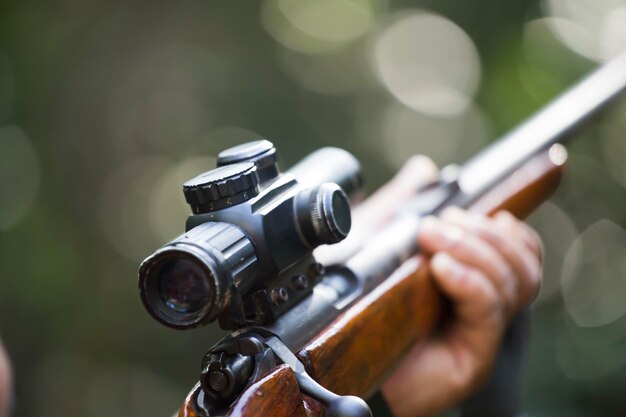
(246, 256)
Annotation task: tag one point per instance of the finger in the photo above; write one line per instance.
(509, 242)
(532, 260)
(474, 297)
(531, 238)
(456, 362)
(441, 236)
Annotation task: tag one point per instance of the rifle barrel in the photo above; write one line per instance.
(380, 256)
(554, 123)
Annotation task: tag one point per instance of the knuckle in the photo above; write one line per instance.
(488, 302)
(456, 239)
(495, 236)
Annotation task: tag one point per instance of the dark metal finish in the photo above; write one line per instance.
(337, 290)
(229, 367)
(278, 290)
(323, 214)
(386, 252)
(222, 187)
(299, 282)
(280, 295)
(246, 241)
(260, 152)
(554, 123)
(226, 374)
(331, 165)
(224, 257)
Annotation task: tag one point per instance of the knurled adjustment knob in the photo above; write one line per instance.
(222, 187)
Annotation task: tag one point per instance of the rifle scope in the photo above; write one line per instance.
(246, 255)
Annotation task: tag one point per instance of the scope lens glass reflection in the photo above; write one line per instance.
(183, 286)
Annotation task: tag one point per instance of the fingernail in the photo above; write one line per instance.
(446, 266)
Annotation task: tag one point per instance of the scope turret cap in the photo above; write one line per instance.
(222, 187)
(261, 152)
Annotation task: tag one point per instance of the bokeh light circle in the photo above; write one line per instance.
(318, 26)
(167, 99)
(443, 139)
(428, 63)
(581, 363)
(594, 275)
(579, 193)
(595, 29)
(125, 207)
(558, 232)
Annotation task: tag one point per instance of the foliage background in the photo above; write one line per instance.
(106, 107)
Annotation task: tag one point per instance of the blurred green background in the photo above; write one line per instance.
(106, 107)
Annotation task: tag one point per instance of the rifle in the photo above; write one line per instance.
(321, 337)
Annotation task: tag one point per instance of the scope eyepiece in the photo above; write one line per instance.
(186, 283)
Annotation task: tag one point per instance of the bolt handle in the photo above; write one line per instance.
(348, 406)
(336, 405)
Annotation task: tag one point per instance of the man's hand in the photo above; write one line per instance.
(489, 268)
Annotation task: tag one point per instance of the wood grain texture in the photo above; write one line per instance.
(362, 346)
(356, 352)
(528, 187)
(359, 349)
(277, 394)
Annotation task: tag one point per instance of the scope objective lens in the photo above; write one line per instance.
(187, 282)
(183, 286)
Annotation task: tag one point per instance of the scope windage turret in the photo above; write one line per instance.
(246, 256)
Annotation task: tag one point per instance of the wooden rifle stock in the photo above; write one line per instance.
(355, 353)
